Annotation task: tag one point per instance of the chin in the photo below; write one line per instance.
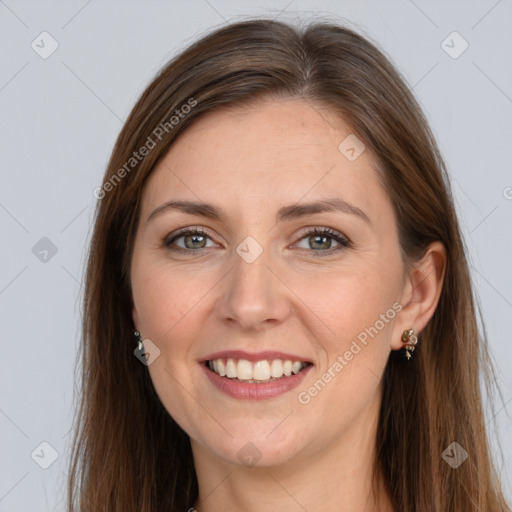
(256, 447)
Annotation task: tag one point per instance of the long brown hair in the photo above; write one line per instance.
(128, 453)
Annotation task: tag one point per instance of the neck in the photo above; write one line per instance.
(337, 479)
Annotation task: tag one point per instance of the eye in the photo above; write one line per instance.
(193, 238)
(320, 239)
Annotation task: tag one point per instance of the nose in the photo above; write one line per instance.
(254, 296)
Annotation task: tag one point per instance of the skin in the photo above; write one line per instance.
(250, 162)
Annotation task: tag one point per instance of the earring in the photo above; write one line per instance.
(139, 339)
(410, 340)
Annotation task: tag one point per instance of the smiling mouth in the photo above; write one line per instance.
(258, 372)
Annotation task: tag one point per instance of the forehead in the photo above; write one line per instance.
(272, 153)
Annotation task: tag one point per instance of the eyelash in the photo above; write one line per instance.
(326, 232)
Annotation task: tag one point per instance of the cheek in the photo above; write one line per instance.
(167, 301)
(347, 302)
(164, 298)
(358, 308)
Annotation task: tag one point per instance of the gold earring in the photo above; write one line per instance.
(410, 340)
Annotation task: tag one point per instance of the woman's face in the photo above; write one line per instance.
(258, 286)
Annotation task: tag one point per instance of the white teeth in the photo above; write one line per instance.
(261, 371)
(244, 369)
(276, 369)
(222, 367)
(231, 369)
(296, 366)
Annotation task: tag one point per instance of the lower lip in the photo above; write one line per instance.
(248, 391)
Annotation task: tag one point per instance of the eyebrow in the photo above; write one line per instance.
(286, 213)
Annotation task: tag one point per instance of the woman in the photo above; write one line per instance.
(278, 310)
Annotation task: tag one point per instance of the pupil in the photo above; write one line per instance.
(195, 238)
(323, 238)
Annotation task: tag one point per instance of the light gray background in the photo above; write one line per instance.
(60, 117)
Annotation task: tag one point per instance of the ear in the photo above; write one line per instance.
(421, 292)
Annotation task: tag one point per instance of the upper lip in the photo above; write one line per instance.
(256, 356)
